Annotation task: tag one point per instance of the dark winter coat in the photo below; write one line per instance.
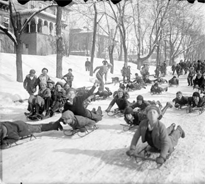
(15, 131)
(156, 89)
(29, 84)
(174, 81)
(198, 81)
(122, 103)
(192, 103)
(160, 137)
(137, 118)
(183, 101)
(141, 106)
(77, 107)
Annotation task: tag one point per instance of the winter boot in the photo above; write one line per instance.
(169, 105)
(160, 105)
(94, 110)
(172, 128)
(181, 131)
(99, 111)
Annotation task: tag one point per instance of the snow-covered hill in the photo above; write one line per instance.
(99, 157)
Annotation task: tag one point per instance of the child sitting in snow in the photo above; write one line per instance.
(59, 99)
(41, 102)
(120, 99)
(156, 89)
(154, 132)
(180, 100)
(173, 81)
(12, 131)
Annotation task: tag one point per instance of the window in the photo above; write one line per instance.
(27, 46)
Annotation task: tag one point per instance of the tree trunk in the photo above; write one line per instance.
(158, 55)
(120, 53)
(59, 43)
(125, 51)
(110, 50)
(19, 71)
(94, 40)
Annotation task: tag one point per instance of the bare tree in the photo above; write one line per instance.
(18, 28)
(59, 43)
(94, 38)
(153, 32)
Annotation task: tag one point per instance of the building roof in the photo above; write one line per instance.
(31, 11)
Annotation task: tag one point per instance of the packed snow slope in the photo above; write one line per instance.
(100, 156)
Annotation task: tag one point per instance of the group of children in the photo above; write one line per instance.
(145, 114)
(50, 97)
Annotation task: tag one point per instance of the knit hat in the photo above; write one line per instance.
(32, 71)
(150, 107)
(128, 110)
(196, 94)
(140, 97)
(68, 115)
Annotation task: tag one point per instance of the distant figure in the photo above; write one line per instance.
(69, 77)
(87, 65)
(102, 70)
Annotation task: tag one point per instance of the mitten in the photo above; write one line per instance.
(160, 160)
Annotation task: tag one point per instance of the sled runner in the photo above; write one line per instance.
(200, 109)
(35, 117)
(148, 153)
(127, 127)
(115, 113)
(71, 132)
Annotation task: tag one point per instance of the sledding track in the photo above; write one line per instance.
(100, 157)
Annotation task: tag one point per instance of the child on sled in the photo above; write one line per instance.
(133, 117)
(120, 99)
(180, 100)
(154, 132)
(12, 131)
(156, 89)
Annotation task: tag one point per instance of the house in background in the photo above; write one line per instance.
(38, 37)
(6, 45)
(80, 43)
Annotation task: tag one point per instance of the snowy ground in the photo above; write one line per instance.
(99, 157)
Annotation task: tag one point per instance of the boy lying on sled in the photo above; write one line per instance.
(12, 131)
(154, 132)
